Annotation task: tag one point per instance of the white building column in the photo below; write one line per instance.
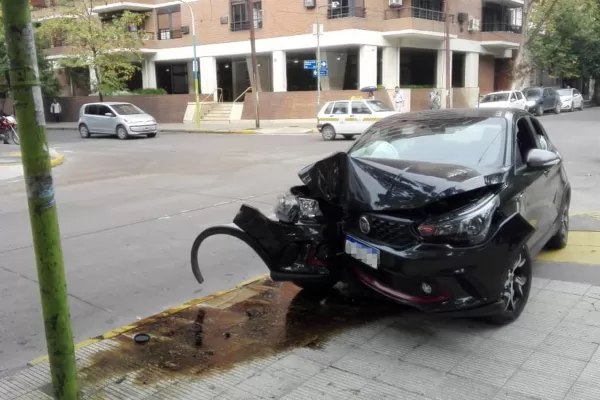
(472, 70)
(208, 75)
(390, 67)
(148, 74)
(440, 81)
(279, 71)
(367, 70)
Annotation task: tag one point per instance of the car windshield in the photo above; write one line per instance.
(127, 109)
(493, 97)
(532, 93)
(466, 141)
(564, 92)
(378, 106)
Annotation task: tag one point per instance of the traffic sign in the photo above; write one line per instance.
(310, 64)
(324, 72)
(323, 64)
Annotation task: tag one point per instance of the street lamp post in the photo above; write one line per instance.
(318, 29)
(195, 66)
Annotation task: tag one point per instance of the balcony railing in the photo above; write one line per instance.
(245, 25)
(501, 27)
(415, 12)
(168, 34)
(346, 12)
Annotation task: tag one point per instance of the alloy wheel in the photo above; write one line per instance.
(514, 286)
(84, 132)
(328, 133)
(121, 133)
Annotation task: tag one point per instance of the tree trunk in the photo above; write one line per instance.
(596, 95)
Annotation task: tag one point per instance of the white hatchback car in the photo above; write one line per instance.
(350, 118)
(571, 99)
(504, 99)
(121, 119)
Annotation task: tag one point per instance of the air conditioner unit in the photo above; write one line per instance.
(395, 3)
(185, 29)
(474, 25)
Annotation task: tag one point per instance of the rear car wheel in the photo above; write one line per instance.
(152, 135)
(328, 132)
(581, 106)
(572, 107)
(348, 137)
(84, 132)
(517, 287)
(561, 238)
(122, 132)
(557, 108)
(539, 111)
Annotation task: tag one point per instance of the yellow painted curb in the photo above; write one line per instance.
(58, 160)
(153, 318)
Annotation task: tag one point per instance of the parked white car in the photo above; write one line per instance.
(504, 99)
(121, 119)
(571, 99)
(350, 118)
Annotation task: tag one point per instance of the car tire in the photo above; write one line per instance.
(122, 132)
(517, 283)
(572, 107)
(556, 109)
(84, 132)
(151, 135)
(348, 137)
(328, 132)
(581, 106)
(561, 238)
(539, 111)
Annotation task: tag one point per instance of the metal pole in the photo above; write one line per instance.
(26, 87)
(195, 66)
(448, 85)
(254, 62)
(318, 61)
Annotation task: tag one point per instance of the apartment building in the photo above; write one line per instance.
(365, 43)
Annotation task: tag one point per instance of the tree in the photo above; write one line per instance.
(50, 85)
(108, 45)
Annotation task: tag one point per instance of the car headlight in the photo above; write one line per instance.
(290, 208)
(531, 103)
(469, 225)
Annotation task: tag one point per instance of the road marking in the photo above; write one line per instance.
(583, 248)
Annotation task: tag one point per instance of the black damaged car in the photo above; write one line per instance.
(442, 210)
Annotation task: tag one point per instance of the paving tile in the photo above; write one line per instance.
(577, 331)
(539, 283)
(37, 395)
(365, 363)
(522, 336)
(358, 336)
(381, 391)
(239, 394)
(434, 357)
(294, 368)
(411, 377)
(594, 292)
(568, 347)
(503, 352)
(568, 287)
(310, 393)
(267, 385)
(467, 326)
(336, 383)
(538, 322)
(596, 357)
(459, 388)
(326, 353)
(484, 370)
(455, 341)
(591, 375)
(544, 309)
(562, 299)
(539, 385)
(393, 342)
(586, 317)
(551, 364)
(504, 394)
(583, 391)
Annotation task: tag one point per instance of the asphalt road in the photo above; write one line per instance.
(129, 212)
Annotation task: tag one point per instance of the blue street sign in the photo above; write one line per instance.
(310, 64)
(324, 72)
(323, 64)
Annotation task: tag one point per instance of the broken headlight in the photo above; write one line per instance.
(290, 208)
(470, 225)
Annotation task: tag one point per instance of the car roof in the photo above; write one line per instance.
(106, 103)
(502, 91)
(455, 113)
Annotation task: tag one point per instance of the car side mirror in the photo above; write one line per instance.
(109, 114)
(541, 159)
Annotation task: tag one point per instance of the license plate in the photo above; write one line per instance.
(362, 252)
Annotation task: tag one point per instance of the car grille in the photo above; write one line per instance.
(389, 230)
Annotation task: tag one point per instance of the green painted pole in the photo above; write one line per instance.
(29, 109)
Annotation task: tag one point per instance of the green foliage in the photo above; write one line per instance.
(107, 45)
(150, 92)
(50, 85)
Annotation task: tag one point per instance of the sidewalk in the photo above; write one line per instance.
(265, 340)
(246, 126)
(10, 161)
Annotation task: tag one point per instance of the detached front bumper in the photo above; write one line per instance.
(440, 278)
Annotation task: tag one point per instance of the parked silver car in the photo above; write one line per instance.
(121, 119)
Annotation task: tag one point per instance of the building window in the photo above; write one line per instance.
(169, 22)
(240, 17)
(346, 8)
(428, 9)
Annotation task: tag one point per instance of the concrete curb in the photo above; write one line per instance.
(153, 318)
(56, 158)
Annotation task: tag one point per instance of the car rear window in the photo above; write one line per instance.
(493, 97)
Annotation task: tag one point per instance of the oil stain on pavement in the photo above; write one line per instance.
(259, 320)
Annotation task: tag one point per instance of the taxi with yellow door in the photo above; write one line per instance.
(350, 118)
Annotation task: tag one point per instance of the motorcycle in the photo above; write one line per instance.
(8, 129)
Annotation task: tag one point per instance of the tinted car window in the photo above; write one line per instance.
(341, 107)
(519, 95)
(465, 141)
(126, 109)
(564, 92)
(492, 97)
(359, 107)
(532, 93)
(91, 110)
(328, 109)
(102, 110)
(513, 97)
(378, 106)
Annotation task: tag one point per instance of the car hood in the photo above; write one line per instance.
(138, 118)
(384, 184)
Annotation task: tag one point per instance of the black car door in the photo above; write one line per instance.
(556, 182)
(529, 184)
(547, 100)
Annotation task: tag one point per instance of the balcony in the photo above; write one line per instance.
(168, 34)
(346, 12)
(417, 22)
(245, 25)
(117, 5)
(500, 32)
